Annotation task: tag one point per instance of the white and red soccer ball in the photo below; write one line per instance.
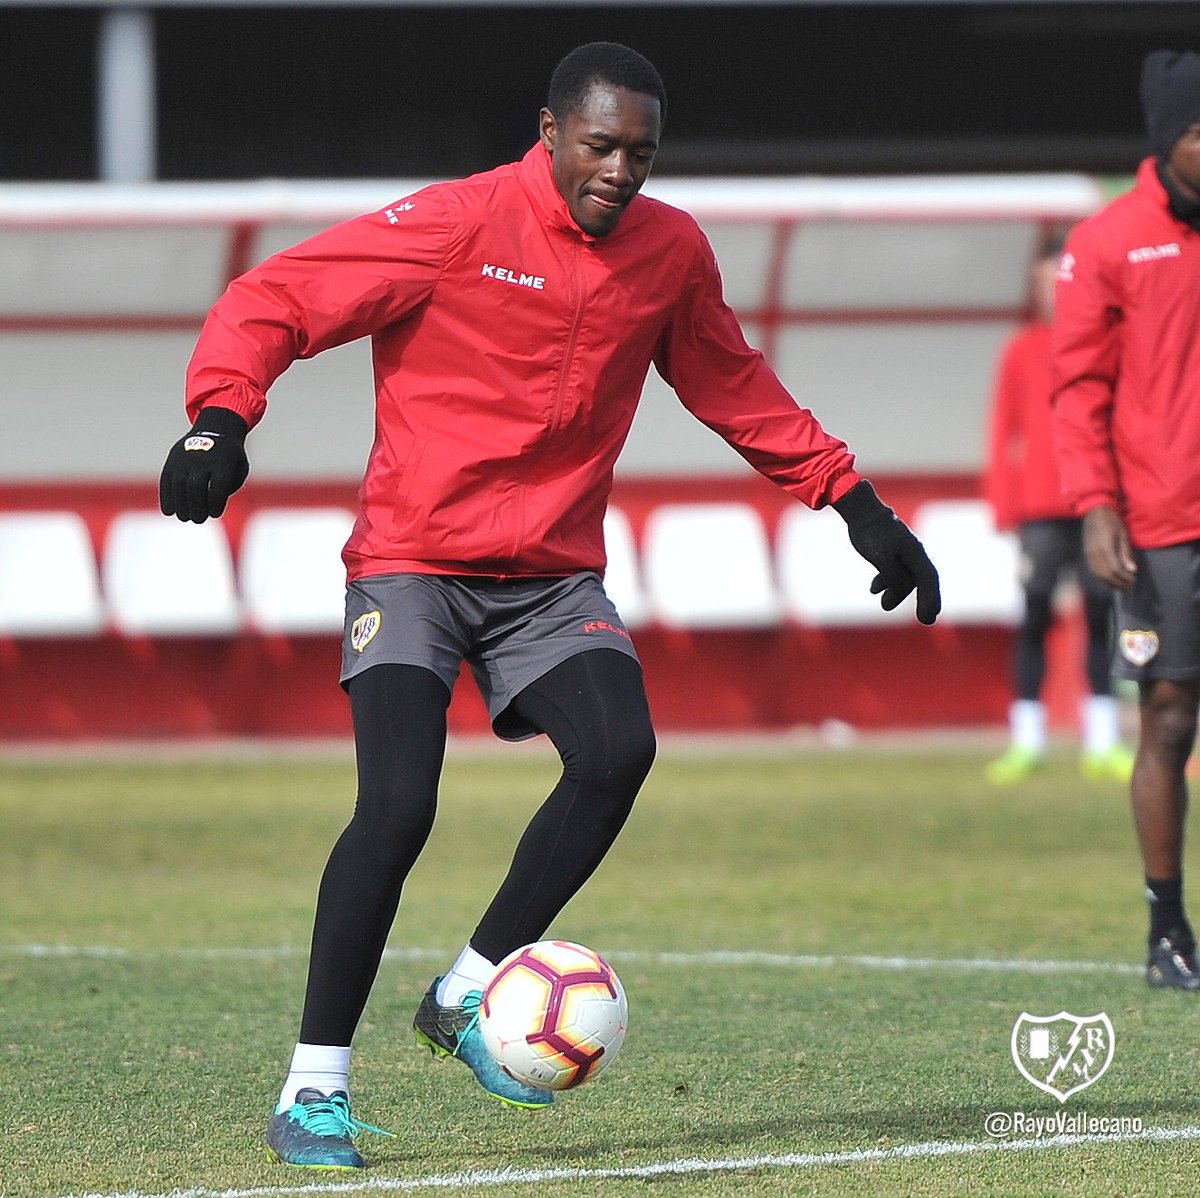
(554, 1015)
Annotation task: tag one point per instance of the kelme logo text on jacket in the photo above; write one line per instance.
(1148, 253)
(537, 282)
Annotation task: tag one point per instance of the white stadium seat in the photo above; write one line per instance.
(622, 578)
(49, 583)
(978, 565)
(290, 569)
(823, 580)
(708, 565)
(162, 577)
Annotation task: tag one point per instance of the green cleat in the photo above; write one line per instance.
(1109, 765)
(454, 1032)
(317, 1132)
(1015, 766)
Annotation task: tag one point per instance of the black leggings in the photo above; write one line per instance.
(593, 708)
(1049, 548)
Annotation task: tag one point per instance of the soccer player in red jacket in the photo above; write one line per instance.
(1126, 346)
(1022, 486)
(513, 316)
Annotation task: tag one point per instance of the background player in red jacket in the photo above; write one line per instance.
(1126, 347)
(1022, 485)
(514, 316)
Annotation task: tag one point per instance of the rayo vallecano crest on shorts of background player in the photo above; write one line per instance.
(1064, 1053)
(1138, 645)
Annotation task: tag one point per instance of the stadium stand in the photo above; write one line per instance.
(290, 569)
(49, 583)
(163, 578)
(708, 565)
(623, 578)
(823, 582)
(881, 303)
(979, 565)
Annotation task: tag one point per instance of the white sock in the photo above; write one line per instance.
(1027, 725)
(323, 1067)
(471, 971)
(1100, 716)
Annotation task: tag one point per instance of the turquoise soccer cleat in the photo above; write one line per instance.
(454, 1032)
(317, 1132)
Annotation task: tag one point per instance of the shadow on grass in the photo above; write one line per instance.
(806, 1130)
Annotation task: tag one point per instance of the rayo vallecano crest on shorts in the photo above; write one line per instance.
(1138, 645)
(1064, 1053)
(363, 630)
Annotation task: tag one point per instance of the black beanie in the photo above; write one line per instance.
(1170, 97)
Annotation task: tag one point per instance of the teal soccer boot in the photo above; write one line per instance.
(454, 1032)
(317, 1132)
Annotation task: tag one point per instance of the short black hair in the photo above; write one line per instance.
(602, 62)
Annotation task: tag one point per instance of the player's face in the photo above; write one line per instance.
(1184, 164)
(602, 154)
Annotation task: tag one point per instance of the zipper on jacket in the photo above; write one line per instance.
(577, 291)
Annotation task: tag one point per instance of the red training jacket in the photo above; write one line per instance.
(1126, 348)
(510, 350)
(1021, 480)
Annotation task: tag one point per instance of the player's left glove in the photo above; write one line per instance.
(880, 536)
(204, 468)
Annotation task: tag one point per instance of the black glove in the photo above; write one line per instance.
(204, 468)
(880, 536)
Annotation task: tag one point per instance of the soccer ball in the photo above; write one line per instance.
(554, 1015)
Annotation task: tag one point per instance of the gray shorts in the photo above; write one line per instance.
(511, 632)
(1158, 620)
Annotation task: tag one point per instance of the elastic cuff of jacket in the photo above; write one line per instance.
(860, 504)
(221, 421)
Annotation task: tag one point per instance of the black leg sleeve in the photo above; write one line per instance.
(400, 742)
(593, 707)
(1030, 658)
(1047, 547)
(1100, 613)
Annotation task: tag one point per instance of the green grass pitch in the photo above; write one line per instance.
(824, 955)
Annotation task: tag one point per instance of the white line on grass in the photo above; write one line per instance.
(117, 953)
(677, 1168)
(634, 956)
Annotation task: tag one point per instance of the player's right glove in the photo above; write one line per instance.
(880, 536)
(204, 468)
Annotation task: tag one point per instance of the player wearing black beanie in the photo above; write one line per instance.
(1170, 97)
(1171, 105)
(1127, 439)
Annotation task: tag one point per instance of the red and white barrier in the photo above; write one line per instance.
(750, 613)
